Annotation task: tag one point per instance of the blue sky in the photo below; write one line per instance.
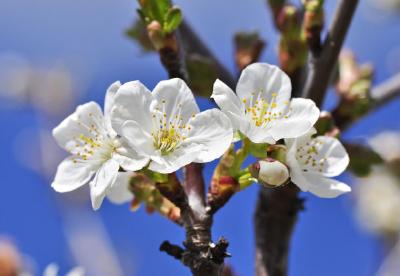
(87, 38)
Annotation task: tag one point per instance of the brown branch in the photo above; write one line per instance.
(277, 209)
(194, 45)
(321, 64)
(199, 254)
(274, 220)
(379, 95)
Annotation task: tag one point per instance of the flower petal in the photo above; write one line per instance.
(131, 164)
(173, 97)
(78, 123)
(264, 79)
(326, 187)
(226, 99)
(138, 138)
(119, 192)
(109, 98)
(175, 160)
(71, 175)
(102, 182)
(336, 157)
(302, 116)
(129, 159)
(213, 131)
(296, 172)
(132, 102)
(251, 131)
(108, 104)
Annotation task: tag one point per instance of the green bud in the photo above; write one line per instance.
(156, 35)
(172, 20)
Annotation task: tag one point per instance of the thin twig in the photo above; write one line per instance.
(380, 95)
(321, 64)
(386, 91)
(192, 44)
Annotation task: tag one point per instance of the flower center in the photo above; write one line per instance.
(309, 156)
(261, 111)
(169, 129)
(94, 145)
(166, 140)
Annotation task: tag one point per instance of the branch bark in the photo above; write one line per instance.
(199, 253)
(380, 96)
(277, 209)
(192, 43)
(321, 64)
(275, 217)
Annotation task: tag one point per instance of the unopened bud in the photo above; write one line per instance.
(156, 35)
(270, 172)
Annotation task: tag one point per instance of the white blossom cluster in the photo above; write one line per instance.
(164, 130)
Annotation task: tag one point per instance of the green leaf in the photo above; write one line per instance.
(154, 9)
(259, 150)
(138, 33)
(172, 19)
(156, 177)
(141, 14)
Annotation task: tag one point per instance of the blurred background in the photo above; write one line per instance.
(57, 54)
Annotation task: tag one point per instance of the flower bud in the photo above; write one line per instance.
(156, 35)
(270, 172)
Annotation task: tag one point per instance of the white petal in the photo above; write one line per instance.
(266, 79)
(326, 187)
(173, 97)
(296, 172)
(137, 137)
(336, 156)
(70, 175)
(78, 123)
(302, 116)
(251, 131)
(133, 163)
(108, 104)
(103, 181)
(227, 100)
(175, 160)
(119, 192)
(213, 131)
(132, 102)
(109, 98)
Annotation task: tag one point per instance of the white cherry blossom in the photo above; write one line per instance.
(167, 126)
(97, 153)
(312, 161)
(262, 109)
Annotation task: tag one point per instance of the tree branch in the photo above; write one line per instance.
(277, 209)
(194, 45)
(386, 91)
(199, 254)
(321, 64)
(379, 96)
(274, 220)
